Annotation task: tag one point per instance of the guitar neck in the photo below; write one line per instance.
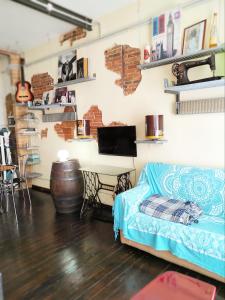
(22, 75)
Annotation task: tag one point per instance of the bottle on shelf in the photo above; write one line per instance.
(213, 38)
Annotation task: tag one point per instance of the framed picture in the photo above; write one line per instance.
(194, 37)
(60, 95)
(48, 97)
(71, 97)
(67, 66)
(166, 40)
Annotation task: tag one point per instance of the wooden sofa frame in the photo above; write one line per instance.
(166, 255)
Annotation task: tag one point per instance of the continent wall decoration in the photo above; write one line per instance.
(124, 60)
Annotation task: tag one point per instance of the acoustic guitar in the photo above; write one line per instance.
(23, 92)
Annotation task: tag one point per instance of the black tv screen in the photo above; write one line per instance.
(117, 140)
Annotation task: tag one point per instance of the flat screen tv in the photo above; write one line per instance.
(117, 140)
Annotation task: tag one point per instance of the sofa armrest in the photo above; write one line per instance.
(127, 204)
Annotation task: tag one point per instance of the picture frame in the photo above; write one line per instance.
(71, 96)
(166, 35)
(67, 66)
(60, 95)
(48, 97)
(194, 37)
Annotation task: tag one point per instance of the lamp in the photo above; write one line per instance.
(59, 12)
(63, 155)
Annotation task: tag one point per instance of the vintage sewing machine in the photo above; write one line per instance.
(181, 70)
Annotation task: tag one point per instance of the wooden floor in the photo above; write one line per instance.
(49, 256)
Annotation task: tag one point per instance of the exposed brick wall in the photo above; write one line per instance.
(94, 114)
(66, 129)
(114, 123)
(73, 35)
(123, 60)
(41, 83)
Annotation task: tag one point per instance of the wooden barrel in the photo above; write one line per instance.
(66, 186)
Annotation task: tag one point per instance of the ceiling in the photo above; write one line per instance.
(23, 28)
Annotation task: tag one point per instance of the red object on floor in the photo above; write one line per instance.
(176, 286)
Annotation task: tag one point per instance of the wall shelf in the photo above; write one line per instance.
(179, 58)
(55, 105)
(83, 140)
(32, 175)
(75, 81)
(176, 89)
(197, 106)
(147, 141)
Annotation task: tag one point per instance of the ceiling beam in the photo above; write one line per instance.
(66, 15)
(7, 53)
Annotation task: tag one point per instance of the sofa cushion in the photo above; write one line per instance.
(204, 186)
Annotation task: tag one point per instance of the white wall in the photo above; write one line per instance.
(5, 88)
(192, 139)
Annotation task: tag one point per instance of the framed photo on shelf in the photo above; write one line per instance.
(48, 97)
(60, 95)
(71, 97)
(194, 37)
(67, 66)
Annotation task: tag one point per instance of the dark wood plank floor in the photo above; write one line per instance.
(49, 256)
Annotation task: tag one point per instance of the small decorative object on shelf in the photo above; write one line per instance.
(154, 127)
(213, 39)
(147, 54)
(82, 68)
(71, 97)
(83, 128)
(181, 70)
(194, 37)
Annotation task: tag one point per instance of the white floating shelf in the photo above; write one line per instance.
(179, 58)
(147, 141)
(75, 81)
(176, 89)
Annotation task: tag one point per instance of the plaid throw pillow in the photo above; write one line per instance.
(171, 209)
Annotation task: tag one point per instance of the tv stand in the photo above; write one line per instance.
(93, 184)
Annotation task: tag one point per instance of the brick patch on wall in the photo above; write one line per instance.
(117, 124)
(124, 60)
(73, 35)
(66, 129)
(41, 83)
(94, 114)
(44, 133)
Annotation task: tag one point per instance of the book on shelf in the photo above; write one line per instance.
(82, 67)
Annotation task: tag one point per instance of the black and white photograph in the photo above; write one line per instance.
(71, 96)
(67, 66)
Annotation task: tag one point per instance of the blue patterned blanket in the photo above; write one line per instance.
(171, 209)
(201, 243)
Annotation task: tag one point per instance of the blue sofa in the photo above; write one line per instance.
(200, 246)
